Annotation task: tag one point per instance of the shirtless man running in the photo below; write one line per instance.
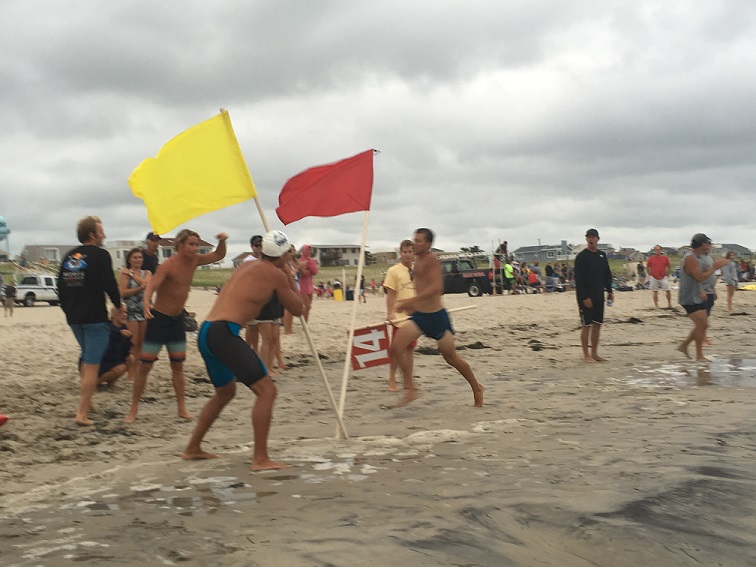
(228, 357)
(428, 317)
(165, 318)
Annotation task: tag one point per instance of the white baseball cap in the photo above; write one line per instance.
(275, 244)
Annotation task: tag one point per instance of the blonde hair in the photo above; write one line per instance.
(183, 236)
(86, 226)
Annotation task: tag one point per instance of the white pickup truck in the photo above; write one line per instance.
(37, 287)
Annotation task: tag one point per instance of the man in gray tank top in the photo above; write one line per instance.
(692, 293)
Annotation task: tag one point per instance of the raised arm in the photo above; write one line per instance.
(216, 255)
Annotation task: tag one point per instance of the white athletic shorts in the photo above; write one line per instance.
(656, 285)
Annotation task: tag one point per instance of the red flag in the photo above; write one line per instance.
(370, 347)
(328, 190)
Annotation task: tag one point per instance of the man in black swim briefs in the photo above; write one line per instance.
(228, 358)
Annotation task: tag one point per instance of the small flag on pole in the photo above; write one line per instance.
(370, 347)
(199, 171)
(328, 190)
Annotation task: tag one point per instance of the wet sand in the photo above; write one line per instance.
(644, 459)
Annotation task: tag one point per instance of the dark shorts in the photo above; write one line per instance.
(271, 311)
(433, 325)
(227, 356)
(595, 314)
(164, 330)
(695, 307)
(709, 303)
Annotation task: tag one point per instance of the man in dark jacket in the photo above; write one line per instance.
(85, 277)
(592, 278)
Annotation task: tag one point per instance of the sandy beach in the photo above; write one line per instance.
(647, 458)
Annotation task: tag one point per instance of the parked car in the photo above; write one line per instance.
(463, 275)
(37, 287)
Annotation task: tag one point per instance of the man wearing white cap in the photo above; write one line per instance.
(228, 358)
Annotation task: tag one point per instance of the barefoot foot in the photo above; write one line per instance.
(184, 414)
(478, 395)
(683, 349)
(197, 455)
(268, 465)
(131, 418)
(589, 359)
(597, 358)
(83, 421)
(409, 395)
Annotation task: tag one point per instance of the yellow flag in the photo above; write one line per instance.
(198, 171)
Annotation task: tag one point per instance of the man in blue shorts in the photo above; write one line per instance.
(428, 317)
(85, 278)
(229, 358)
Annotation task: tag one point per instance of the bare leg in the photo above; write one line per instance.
(252, 337)
(656, 299)
(584, 334)
(88, 386)
(307, 299)
(448, 350)
(266, 346)
(140, 381)
(595, 332)
(179, 386)
(277, 346)
(400, 350)
(207, 417)
(111, 376)
(288, 320)
(669, 299)
(696, 335)
(730, 293)
(262, 414)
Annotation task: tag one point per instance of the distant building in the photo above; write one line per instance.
(237, 260)
(545, 253)
(740, 251)
(336, 254)
(630, 254)
(45, 254)
(390, 258)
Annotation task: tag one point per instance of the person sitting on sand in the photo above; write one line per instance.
(117, 358)
(428, 317)
(229, 358)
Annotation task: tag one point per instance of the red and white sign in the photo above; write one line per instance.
(370, 347)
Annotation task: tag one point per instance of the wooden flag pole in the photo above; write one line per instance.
(341, 426)
(350, 340)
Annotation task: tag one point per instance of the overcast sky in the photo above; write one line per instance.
(521, 120)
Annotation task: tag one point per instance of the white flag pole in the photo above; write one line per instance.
(355, 298)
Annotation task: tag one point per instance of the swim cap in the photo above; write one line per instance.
(275, 244)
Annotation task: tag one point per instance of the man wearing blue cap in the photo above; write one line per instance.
(150, 258)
